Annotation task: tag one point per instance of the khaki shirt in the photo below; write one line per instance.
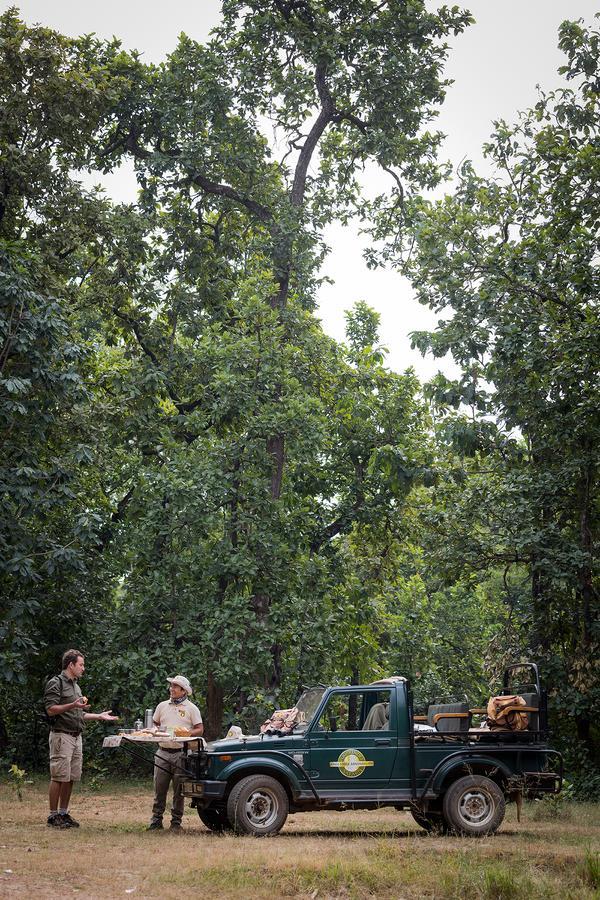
(170, 715)
(62, 689)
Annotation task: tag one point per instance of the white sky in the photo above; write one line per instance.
(495, 65)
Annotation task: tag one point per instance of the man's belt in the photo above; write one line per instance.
(170, 749)
(64, 731)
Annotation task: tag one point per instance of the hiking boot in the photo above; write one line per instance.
(55, 820)
(154, 826)
(176, 828)
(69, 821)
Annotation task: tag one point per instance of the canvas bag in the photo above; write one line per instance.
(499, 719)
(281, 722)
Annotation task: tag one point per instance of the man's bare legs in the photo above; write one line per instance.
(59, 794)
(65, 794)
(54, 794)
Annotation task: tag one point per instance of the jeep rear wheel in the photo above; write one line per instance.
(474, 805)
(434, 823)
(215, 819)
(257, 805)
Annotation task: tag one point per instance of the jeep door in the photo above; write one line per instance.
(353, 742)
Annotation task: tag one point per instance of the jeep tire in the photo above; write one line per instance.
(215, 819)
(474, 806)
(257, 805)
(433, 823)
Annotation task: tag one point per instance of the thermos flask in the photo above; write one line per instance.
(148, 723)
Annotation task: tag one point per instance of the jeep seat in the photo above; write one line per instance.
(449, 717)
(378, 718)
(532, 705)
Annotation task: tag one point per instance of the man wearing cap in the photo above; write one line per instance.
(173, 713)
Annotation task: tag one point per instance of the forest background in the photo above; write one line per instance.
(194, 476)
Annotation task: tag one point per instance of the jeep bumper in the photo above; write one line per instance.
(203, 789)
(539, 783)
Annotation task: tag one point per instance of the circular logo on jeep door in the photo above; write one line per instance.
(351, 763)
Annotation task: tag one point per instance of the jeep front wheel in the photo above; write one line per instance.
(474, 805)
(257, 805)
(215, 819)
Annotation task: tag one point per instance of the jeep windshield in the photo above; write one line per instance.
(307, 706)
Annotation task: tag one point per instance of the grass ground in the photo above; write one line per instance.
(381, 854)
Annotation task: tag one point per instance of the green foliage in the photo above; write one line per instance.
(218, 453)
(96, 775)
(513, 258)
(42, 394)
(194, 476)
(18, 780)
(362, 327)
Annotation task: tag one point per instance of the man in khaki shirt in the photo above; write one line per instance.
(172, 713)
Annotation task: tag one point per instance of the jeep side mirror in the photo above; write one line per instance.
(333, 723)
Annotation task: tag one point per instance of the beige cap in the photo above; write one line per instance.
(182, 681)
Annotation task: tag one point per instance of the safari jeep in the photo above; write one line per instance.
(362, 747)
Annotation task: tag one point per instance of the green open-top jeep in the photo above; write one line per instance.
(362, 747)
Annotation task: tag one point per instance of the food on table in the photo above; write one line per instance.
(146, 733)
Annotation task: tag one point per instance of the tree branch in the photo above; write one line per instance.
(198, 179)
(326, 115)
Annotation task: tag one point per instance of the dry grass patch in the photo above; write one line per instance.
(380, 854)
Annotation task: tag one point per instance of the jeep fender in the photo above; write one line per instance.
(263, 764)
(461, 761)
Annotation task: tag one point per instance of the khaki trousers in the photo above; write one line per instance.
(171, 762)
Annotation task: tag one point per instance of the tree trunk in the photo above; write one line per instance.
(3, 735)
(352, 704)
(539, 637)
(276, 671)
(213, 720)
(586, 580)
(586, 597)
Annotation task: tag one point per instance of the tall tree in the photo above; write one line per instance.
(515, 259)
(343, 86)
(53, 93)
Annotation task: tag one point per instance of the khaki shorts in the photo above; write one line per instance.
(66, 757)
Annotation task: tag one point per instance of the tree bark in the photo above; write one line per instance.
(276, 670)
(213, 721)
(586, 578)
